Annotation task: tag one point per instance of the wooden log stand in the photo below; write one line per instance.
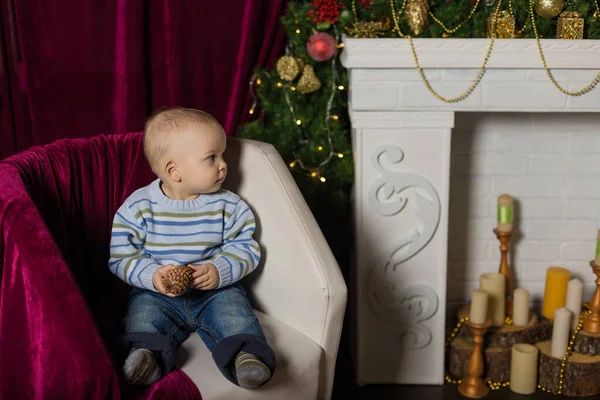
(507, 335)
(587, 344)
(497, 348)
(580, 375)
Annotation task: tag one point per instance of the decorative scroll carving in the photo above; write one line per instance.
(404, 308)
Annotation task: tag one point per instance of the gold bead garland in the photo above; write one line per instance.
(586, 89)
(473, 84)
(449, 31)
(512, 12)
(487, 56)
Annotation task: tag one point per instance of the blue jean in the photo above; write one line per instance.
(222, 317)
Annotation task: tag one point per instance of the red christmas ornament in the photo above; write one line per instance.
(365, 3)
(321, 46)
(325, 11)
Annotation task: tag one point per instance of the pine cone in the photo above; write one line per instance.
(177, 280)
(416, 13)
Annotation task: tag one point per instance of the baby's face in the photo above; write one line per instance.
(199, 157)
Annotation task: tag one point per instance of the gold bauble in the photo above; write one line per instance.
(549, 8)
(287, 68)
(308, 81)
(416, 13)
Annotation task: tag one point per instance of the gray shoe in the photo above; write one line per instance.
(141, 368)
(251, 372)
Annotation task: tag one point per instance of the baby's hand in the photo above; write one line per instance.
(157, 279)
(206, 277)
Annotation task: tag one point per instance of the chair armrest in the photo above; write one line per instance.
(299, 281)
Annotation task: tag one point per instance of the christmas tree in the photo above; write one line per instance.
(301, 107)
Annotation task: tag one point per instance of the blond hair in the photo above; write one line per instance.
(162, 127)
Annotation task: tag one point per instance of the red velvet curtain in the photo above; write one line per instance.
(81, 68)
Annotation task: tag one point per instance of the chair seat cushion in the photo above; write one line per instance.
(296, 376)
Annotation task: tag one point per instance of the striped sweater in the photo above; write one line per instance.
(151, 230)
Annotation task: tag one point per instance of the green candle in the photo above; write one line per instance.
(505, 213)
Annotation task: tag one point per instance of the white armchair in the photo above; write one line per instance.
(298, 291)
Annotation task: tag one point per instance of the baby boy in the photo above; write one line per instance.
(185, 218)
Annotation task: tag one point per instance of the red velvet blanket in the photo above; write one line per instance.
(60, 307)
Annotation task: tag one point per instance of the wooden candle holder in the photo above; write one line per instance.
(505, 238)
(473, 385)
(591, 323)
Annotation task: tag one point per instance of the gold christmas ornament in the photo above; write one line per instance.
(505, 25)
(549, 8)
(178, 280)
(369, 29)
(287, 68)
(570, 25)
(308, 81)
(416, 13)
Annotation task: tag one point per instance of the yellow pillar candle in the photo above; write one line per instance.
(493, 283)
(555, 292)
(523, 368)
(505, 213)
(521, 307)
(560, 332)
(597, 260)
(479, 302)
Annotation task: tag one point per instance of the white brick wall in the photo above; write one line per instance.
(550, 164)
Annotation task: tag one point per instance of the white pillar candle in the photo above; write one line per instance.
(479, 302)
(574, 300)
(523, 368)
(560, 332)
(521, 307)
(493, 283)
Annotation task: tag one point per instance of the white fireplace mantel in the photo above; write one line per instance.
(401, 140)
